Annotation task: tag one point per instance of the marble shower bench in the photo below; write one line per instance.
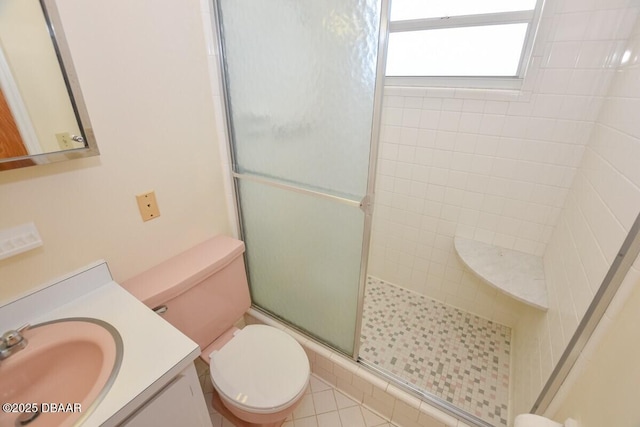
(517, 274)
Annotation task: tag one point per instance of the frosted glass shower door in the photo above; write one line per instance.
(300, 78)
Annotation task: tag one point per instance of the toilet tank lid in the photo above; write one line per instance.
(176, 275)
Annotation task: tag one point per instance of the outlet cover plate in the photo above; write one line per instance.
(148, 206)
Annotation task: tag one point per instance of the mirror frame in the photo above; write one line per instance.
(59, 41)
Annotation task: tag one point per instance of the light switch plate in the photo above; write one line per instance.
(19, 239)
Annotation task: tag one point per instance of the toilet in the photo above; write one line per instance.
(259, 372)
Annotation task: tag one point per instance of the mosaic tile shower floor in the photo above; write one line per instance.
(454, 355)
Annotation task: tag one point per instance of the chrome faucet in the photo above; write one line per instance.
(12, 342)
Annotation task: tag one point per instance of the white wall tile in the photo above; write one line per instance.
(429, 119)
(394, 101)
(562, 54)
(411, 117)
(392, 116)
(554, 80)
(573, 26)
(449, 120)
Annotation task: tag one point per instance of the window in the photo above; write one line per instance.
(460, 42)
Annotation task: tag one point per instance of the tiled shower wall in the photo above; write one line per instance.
(491, 165)
(600, 209)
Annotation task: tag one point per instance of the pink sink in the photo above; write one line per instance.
(65, 370)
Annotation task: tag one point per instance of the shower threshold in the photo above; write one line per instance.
(433, 400)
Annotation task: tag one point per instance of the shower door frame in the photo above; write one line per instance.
(366, 204)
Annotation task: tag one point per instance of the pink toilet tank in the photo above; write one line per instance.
(205, 289)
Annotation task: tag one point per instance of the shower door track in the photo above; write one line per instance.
(426, 396)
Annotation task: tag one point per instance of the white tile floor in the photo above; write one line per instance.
(322, 406)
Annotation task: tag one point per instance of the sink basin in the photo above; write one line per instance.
(66, 362)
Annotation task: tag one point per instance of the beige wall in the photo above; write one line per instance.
(604, 392)
(143, 69)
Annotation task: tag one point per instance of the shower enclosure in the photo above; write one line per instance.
(303, 85)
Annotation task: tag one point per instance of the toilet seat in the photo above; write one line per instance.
(260, 370)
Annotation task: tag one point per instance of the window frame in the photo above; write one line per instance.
(530, 17)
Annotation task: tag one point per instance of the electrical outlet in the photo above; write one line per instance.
(148, 206)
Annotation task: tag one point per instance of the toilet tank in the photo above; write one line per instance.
(205, 288)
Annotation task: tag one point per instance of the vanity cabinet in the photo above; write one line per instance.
(179, 403)
(156, 383)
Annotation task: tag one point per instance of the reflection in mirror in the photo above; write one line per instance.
(42, 114)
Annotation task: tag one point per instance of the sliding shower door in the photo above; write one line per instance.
(300, 80)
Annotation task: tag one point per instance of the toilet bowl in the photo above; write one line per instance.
(259, 372)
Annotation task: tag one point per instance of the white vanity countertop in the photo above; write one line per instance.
(154, 352)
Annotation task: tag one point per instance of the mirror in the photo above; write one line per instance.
(43, 118)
